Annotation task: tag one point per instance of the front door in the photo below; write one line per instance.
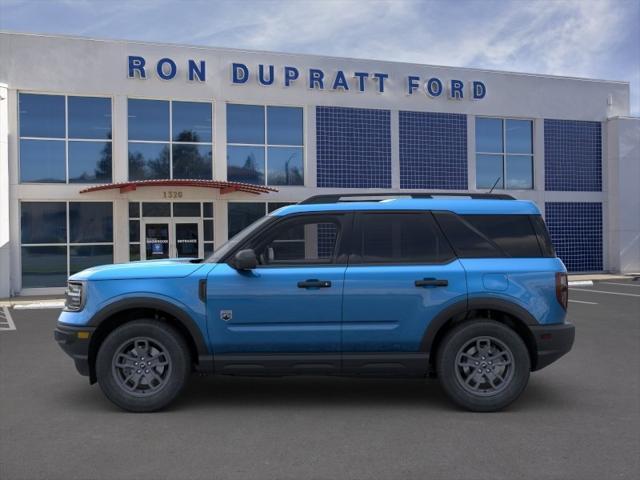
(290, 304)
(172, 238)
(401, 274)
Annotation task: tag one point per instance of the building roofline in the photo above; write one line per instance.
(314, 55)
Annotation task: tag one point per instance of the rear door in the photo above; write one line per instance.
(401, 274)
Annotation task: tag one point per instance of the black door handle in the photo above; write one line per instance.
(431, 282)
(313, 283)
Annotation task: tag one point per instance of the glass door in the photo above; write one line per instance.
(157, 243)
(188, 238)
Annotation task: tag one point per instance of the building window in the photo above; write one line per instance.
(242, 214)
(59, 239)
(65, 139)
(170, 139)
(265, 144)
(504, 153)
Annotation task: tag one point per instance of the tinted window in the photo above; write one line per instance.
(519, 136)
(42, 161)
(90, 162)
(489, 135)
(490, 236)
(41, 116)
(44, 266)
(284, 125)
(241, 215)
(489, 171)
(514, 234)
(148, 120)
(207, 210)
(148, 161)
(285, 166)
(245, 124)
(307, 240)
(245, 164)
(44, 222)
(89, 117)
(543, 236)
(191, 122)
(192, 161)
(86, 256)
(186, 209)
(134, 210)
(156, 209)
(467, 241)
(401, 238)
(90, 222)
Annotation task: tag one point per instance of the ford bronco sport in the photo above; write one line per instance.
(466, 288)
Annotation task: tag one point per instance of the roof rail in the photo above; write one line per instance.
(378, 197)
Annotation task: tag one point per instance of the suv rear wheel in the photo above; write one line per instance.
(143, 365)
(483, 365)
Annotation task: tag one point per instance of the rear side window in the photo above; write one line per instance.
(478, 236)
(543, 236)
(398, 238)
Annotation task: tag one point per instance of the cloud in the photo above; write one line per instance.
(588, 38)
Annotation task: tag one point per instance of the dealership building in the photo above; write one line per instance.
(115, 151)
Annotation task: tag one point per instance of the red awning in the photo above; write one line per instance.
(224, 187)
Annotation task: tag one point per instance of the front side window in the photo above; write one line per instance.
(411, 238)
(265, 144)
(504, 153)
(299, 241)
(65, 139)
(170, 139)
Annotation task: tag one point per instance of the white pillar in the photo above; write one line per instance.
(5, 264)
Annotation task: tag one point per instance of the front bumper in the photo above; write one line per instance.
(552, 342)
(75, 341)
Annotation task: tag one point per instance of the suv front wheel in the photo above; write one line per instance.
(143, 365)
(483, 365)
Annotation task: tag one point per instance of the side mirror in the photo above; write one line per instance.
(245, 260)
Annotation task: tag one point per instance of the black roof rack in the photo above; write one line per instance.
(377, 197)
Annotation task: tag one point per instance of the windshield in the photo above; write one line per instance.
(238, 238)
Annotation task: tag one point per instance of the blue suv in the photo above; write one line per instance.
(466, 288)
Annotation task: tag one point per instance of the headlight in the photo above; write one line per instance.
(74, 297)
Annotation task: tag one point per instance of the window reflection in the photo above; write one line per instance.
(285, 166)
(90, 162)
(148, 161)
(245, 164)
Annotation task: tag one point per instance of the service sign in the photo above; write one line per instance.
(313, 78)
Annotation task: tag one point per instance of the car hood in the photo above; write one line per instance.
(174, 268)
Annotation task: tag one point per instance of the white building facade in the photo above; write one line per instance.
(113, 151)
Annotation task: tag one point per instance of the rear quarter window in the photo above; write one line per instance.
(491, 236)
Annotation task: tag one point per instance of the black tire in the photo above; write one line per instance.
(121, 365)
(475, 346)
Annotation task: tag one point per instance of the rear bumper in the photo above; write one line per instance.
(74, 345)
(552, 342)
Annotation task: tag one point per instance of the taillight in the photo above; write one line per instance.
(562, 289)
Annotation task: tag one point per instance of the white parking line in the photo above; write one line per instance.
(6, 322)
(580, 301)
(602, 291)
(623, 284)
(40, 305)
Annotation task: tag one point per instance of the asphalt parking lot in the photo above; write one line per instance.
(578, 418)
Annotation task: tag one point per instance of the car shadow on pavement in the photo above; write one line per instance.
(284, 392)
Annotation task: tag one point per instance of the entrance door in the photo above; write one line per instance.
(172, 238)
(188, 238)
(157, 244)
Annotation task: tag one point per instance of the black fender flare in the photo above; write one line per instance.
(155, 304)
(465, 306)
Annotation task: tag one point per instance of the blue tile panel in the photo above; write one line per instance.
(353, 147)
(433, 150)
(572, 156)
(576, 232)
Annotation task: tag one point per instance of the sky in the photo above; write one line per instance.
(579, 38)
